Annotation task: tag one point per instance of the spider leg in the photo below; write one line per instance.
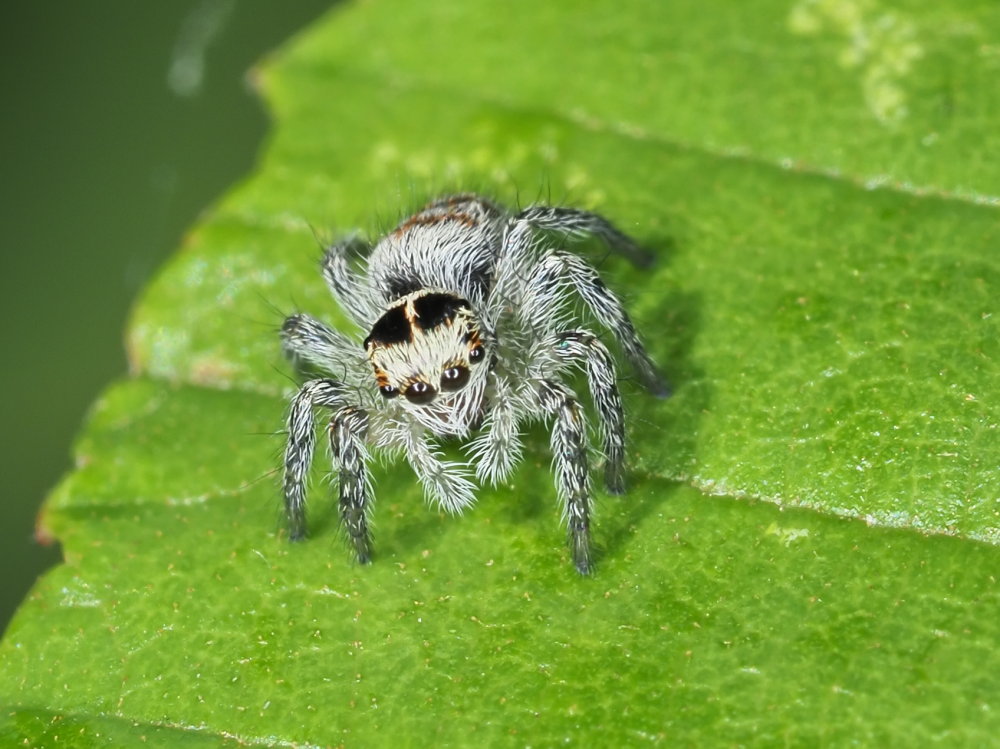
(443, 481)
(498, 449)
(305, 340)
(299, 450)
(544, 301)
(579, 223)
(576, 345)
(569, 451)
(345, 284)
(348, 430)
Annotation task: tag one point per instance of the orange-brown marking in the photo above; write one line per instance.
(451, 200)
(430, 220)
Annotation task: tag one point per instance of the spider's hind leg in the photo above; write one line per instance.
(580, 223)
(546, 296)
(584, 345)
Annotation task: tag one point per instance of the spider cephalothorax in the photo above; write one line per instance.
(470, 331)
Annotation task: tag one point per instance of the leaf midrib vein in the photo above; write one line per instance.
(639, 133)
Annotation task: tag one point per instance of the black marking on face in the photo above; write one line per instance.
(400, 286)
(420, 392)
(436, 309)
(391, 328)
(454, 378)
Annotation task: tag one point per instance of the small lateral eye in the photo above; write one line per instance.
(388, 391)
(420, 392)
(454, 378)
(476, 355)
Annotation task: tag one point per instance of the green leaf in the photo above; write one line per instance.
(814, 181)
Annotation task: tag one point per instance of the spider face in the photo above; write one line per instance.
(426, 347)
(471, 331)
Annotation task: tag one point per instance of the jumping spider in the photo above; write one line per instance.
(470, 330)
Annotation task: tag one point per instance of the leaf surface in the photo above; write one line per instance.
(825, 226)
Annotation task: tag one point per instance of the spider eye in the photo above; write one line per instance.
(476, 355)
(420, 392)
(388, 391)
(454, 378)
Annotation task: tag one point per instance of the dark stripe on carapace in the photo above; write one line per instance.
(451, 201)
(392, 327)
(430, 219)
(400, 286)
(436, 308)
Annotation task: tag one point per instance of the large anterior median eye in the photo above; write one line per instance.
(420, 392)
(454, 377)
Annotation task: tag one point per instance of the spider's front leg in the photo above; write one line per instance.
(299, 449)
(443, 481)
(348, 431)
(569, 449)
(498, 449)
(306, 340)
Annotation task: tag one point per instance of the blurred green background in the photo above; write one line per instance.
(122, 121)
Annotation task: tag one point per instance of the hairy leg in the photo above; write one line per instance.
(580, 223)
(301, 443)
(498, 449)
(583, 346)
(346, 286)
(306, 340)
(444, 481)
(569, 450)
(547, 295)
(348, 430)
